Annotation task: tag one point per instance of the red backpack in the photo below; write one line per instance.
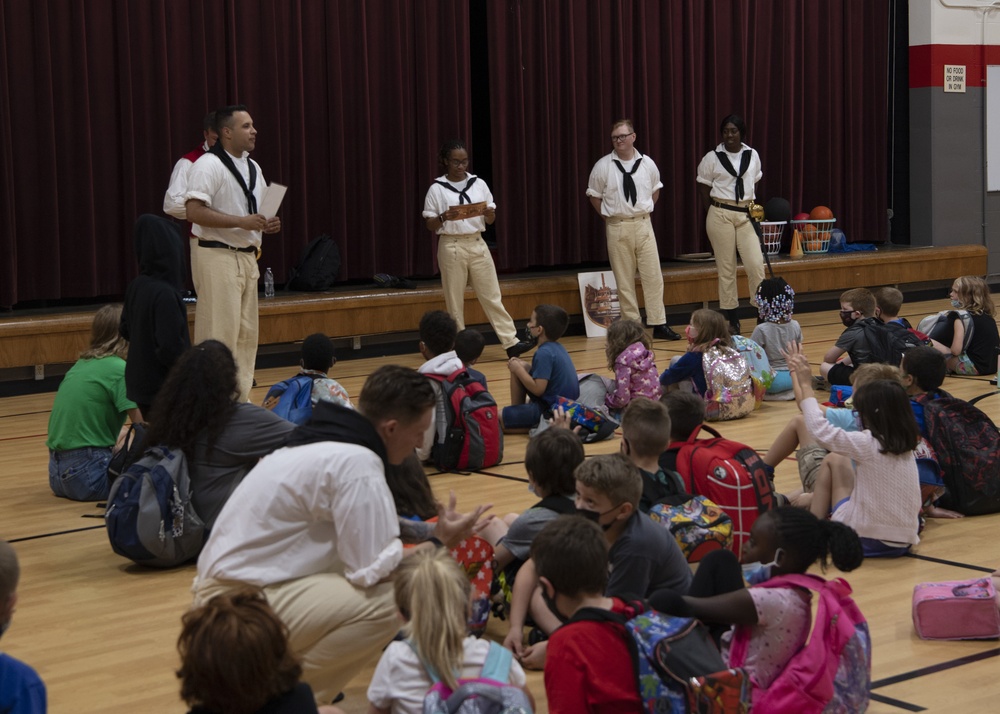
(832, 671)
(728, 473)
(473, 438)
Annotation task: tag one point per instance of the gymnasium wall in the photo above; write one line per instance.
(949, 201)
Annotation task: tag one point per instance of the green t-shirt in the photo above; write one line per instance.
(90, 406)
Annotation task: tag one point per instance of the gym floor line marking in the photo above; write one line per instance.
(522, 479)
(56, 533)
(905, 706)
(935, 668)
(955, 563)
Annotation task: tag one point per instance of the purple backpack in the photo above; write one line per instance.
(832, 671)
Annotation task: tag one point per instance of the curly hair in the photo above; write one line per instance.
(775, 300)
(807, 539)
(105, 339)
(621, 334)
(235, 656)
(197, 399)
(437, 331)
(974, 294)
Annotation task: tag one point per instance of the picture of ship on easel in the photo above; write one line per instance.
(599, 295)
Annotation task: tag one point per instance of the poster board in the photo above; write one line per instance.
(599, 299)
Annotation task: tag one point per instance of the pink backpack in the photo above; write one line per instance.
(832, 671)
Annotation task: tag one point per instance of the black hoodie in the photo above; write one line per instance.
(154, 319)
(332, 422)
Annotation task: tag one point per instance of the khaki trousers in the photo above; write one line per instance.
(226, 283)
(335, 628)
(730, 232)
(631, 247)
(466, 260)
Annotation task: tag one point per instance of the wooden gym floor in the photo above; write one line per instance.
(102, 632)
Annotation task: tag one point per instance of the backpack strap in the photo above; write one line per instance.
(497, 664)
(427, 668)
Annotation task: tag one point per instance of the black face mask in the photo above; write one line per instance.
(528, 337)
(551, 604)
(589, 515)
(847, 318)
(595, 516)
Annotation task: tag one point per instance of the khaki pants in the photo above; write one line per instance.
(226, 283)
(729, 232)
(466, 260)
(335, 628)
(631, 247)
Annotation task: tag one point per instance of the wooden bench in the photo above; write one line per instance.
(45, 339)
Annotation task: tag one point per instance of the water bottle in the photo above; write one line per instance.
(268, 283)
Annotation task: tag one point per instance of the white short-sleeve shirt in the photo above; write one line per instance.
(210, 181)
(712, 173)
(439, 199)
(605, 183)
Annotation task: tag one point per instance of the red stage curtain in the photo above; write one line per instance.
(98, 99)
(809, 79)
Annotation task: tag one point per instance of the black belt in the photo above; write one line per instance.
(224, 246)
(729, 206)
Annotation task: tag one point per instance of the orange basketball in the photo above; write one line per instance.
(821, 213)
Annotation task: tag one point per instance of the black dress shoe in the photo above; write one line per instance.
(663, 332)
(519, 349)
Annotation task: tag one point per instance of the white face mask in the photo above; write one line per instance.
(755, 573)
(531, 487)
(956, 303)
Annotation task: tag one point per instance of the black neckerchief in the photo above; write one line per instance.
(463, 195)
(628, 185)
(227, 161)
(728, 166)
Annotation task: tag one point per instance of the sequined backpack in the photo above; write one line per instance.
(729, 390)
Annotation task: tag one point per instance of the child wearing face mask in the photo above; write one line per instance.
(644, 557)
(787, 540)
(855, 305)
(707, 328)
(975, 354)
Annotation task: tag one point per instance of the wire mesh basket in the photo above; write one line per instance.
(815, 234)
(772, 232)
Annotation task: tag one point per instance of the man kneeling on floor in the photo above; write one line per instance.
(315, 527)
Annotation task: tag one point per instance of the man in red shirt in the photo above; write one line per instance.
(588, 667)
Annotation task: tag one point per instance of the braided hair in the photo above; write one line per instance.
(775, 300)
(807, 539)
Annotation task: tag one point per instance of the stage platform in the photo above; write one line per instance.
(36, 340)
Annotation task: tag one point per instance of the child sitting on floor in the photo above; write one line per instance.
(590, 669)
(469, 346)
(978, 353)
(317, 360)
(775, 305)
(432, 595)
(535, 389)
(550, 460)
(881, 500)
(728, 392)
(787, 540)
(644, 556)
(631, 358)
(645, 436)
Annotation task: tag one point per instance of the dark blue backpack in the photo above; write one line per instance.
(150, 517)
(294, 399)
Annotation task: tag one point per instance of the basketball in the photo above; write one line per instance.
(821, 213)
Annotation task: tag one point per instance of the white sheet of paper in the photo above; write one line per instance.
(272, 200)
